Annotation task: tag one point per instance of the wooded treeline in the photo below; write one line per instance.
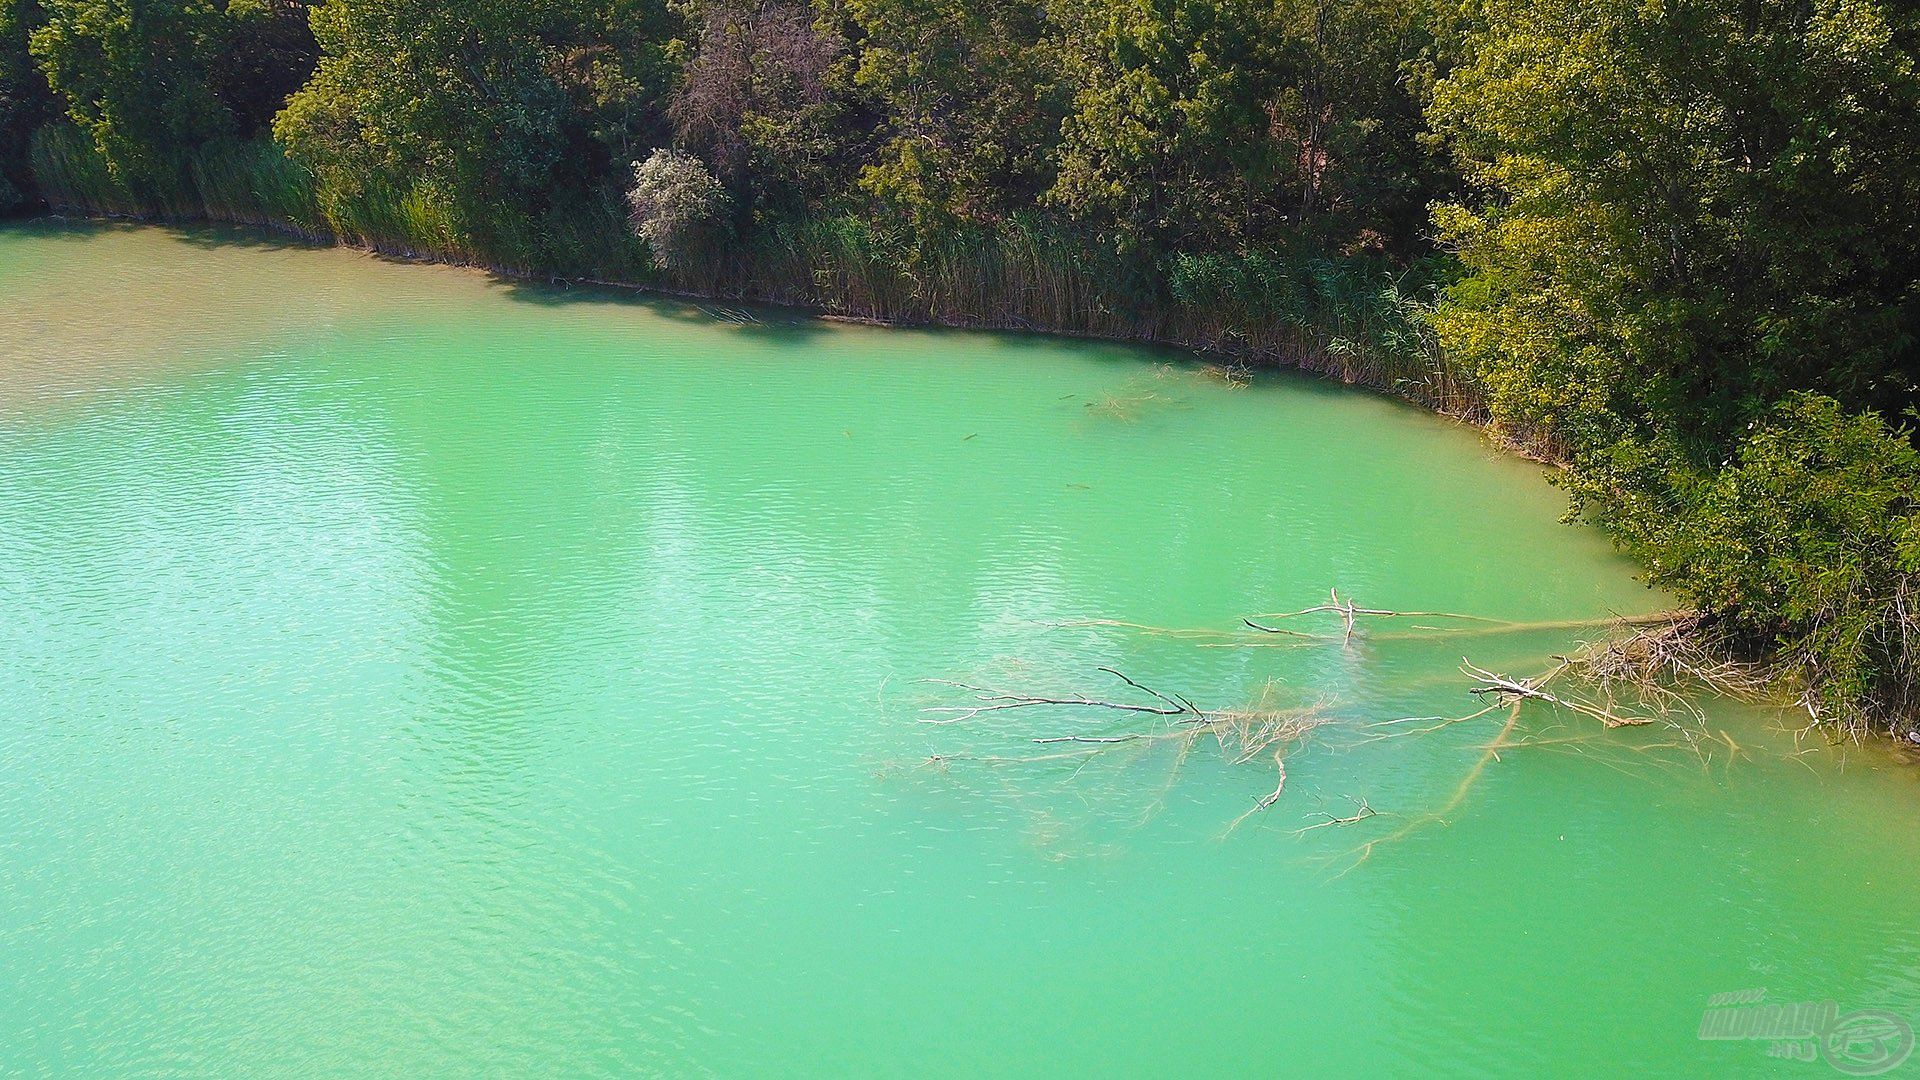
(1674, 243)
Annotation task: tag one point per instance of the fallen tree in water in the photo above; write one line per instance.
(1651, 659)
(1353, 619)
(1350, 615)
(1640, 671)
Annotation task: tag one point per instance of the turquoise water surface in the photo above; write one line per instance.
(404, 672)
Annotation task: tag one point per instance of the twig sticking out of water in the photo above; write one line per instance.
(1267, 800)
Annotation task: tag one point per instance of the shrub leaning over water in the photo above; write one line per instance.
(1806, 546)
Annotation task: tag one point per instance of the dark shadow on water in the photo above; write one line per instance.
(799, 325)
(768, 321)
(753, 320)
(758, 321)
(206, 236)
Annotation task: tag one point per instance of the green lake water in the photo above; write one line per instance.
(404, 672)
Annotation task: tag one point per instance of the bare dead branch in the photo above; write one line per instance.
(1504, 689)
(1267, 800)
(1362, 811)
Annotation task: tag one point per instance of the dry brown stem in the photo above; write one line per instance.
(1654, 661)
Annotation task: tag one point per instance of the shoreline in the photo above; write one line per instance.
(1216, 351)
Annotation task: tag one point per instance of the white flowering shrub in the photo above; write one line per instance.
(677, 207)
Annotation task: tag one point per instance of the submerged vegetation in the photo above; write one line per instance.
(1640, 672)
(1675, 246)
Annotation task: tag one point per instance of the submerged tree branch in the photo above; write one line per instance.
(1242, 735)
(1362, 811)
(998, 701)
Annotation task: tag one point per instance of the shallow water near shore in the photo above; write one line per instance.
(404, 671)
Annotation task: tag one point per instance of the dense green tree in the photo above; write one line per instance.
(1350, 115)
(1694, 214)
(479, 115)
(135, 76)
(1200, 124)
(1692, 209)
(970, 106)
(1169, 141)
